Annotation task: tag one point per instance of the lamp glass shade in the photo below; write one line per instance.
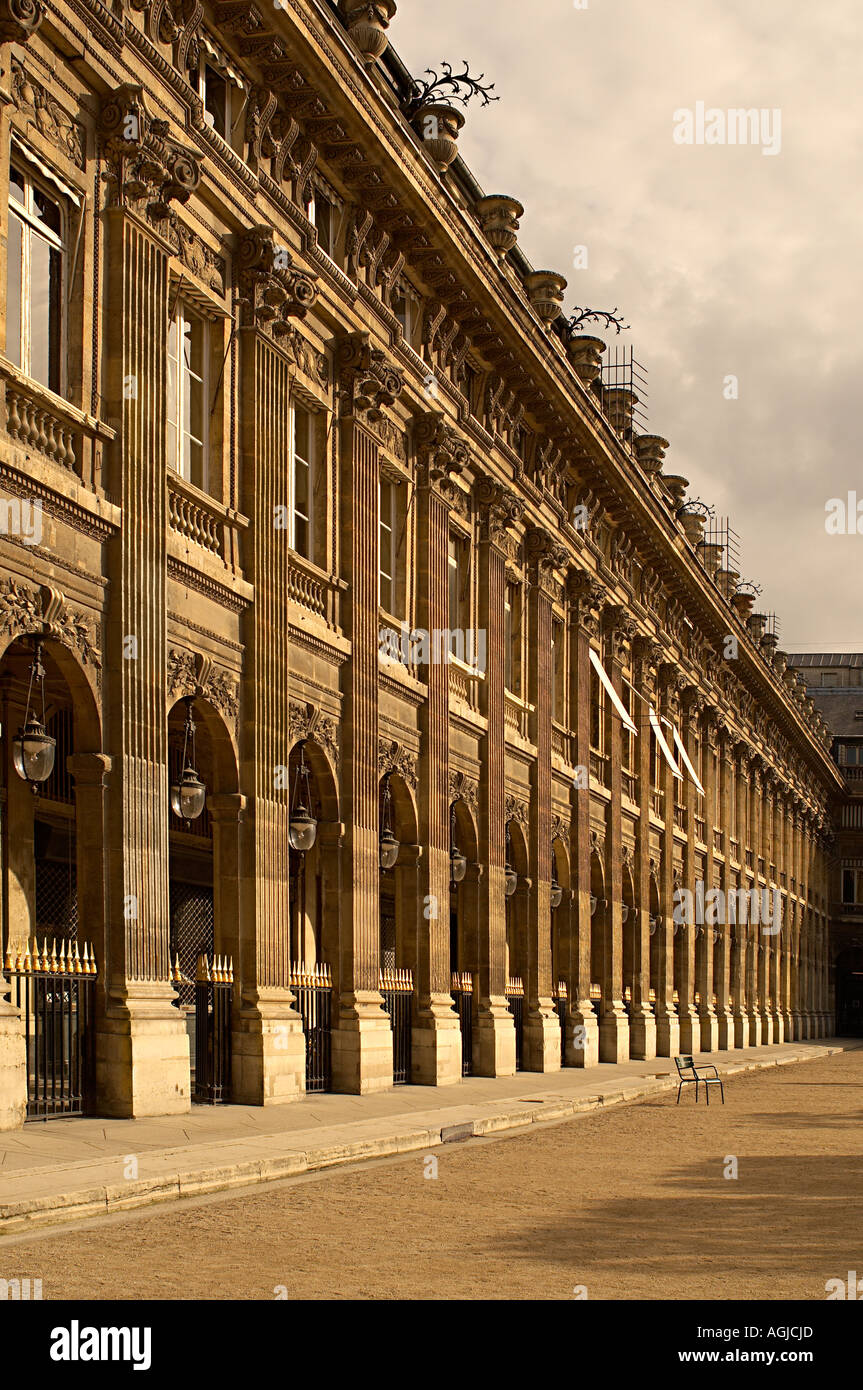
(457, 865)
(302, 829)
(593, 902)
(510, 880)
(188, 795)
(389, 849)
(556, 893)
(33, 752)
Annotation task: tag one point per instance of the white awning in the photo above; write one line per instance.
(45, 170)
(660, 739)
(612, 693)
(220, 60)
(684, 758)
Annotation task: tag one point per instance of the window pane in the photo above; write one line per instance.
(302, 434)
(48, 211)
(171, 402)
(216, 101)
(44, 312)
(171, 444)
(16, 185)
(13, 291)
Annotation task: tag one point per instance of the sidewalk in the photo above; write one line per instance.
(66, 1170)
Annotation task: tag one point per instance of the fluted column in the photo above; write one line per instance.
(436, 1051)
(704, 982)
(494, 1053)
(668, 1041)
(755, 982)
(722, 949)
(690, 1028)
(613, 1022)
(582, 1032)
(544, 556)
(642, 1022)
(739, 931)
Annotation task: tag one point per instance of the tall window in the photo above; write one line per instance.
(34, 283)
(320, 211)
(387, 542)
(627, 737)
(461, 642)
(188, 380)
(852, 885)
(305, 465)
(512, 639)
(558, 674)
(597, 713)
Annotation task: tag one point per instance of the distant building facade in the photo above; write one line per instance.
(386, 668)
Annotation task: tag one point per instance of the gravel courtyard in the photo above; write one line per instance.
(629, 1204)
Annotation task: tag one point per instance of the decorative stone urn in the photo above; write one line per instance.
(727, 581)
(693, 528)
(769, 643)
(675, 486)
(367, 22)
(711, 556)
(650, 452)
(780, 662)
(585, 357)
(498, 216)
(742, 605)
(619, 406)
(545, 291)
(438, 126)
(756, 623)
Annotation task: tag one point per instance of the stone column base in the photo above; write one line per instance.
(542, 1038)
(690, 1032)
(13, 1068)
(582, 1036)
(667, 1035)
(614, 1036)
(788, 1034)
(767, 1036)
(756, 1031)
(436, 1044)
(268, 1058)
(778, 1027)
(741, 1030)
(142, 1055)
(362, 1045)
(642, 1037)
(494, 1039)
(724, 1032)
(799, 1025)
(709, 1031)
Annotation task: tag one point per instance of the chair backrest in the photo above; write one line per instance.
(685, 1063)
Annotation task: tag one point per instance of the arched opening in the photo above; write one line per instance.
(655, 928)
(516, 903)
(849, 993)
(463, 923)
(599, 916)
(630, 937)
(560, 890)
(399, 914)
(201, 854)
(52, 866)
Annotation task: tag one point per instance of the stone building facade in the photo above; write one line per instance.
(278, 379)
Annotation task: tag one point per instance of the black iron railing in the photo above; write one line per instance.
(313, 988)
(560, 1003)
(397, 990)
(462, 993)
(214, 993)
(515, 1000)
(54, 992)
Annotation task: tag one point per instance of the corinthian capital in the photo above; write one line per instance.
(367, 378)
(19, 20)
(543, 551)
(272, 289)
(441, 451)
(146, 165)
(498, 507)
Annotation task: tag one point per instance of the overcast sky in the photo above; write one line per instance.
(722, 259)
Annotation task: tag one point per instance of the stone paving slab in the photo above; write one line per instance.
(70, 1170)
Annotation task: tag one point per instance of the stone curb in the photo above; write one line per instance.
(65, 1207)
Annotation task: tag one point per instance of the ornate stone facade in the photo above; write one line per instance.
(392, 430)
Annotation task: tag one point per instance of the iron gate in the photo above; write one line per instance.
(560, 1005)
(462, 993)
(214, 993)
(313, 988)
(515, 1000)
(192, 935)
(54, 992)
(397, 989)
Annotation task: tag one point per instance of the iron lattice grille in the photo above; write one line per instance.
(60, 786)
(56, 899)
(515, 1000)
(192, 933)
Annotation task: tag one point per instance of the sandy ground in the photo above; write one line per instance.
(630, 1204)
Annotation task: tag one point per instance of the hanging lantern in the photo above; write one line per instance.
(556, 890)
(594, 901)
(302, 826)
(189, 793)
(624, 911)
(457, 861)
(388, 845)
(510, 877)
(33, 750)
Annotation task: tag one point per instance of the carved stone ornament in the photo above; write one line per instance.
(24, 610)
(19, 20)
(515, 809)
(498, 507)
(393, 757)
(307, 722)
(146, 165)
(174, 22)
(369, 382)
(190, 673)
(46, 114)
(463, 788)
(441, 451)
(272, 289)
(543, 552)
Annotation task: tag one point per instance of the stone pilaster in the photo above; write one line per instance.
(362, 1039)
(436, 1050)
(722, 950)
(667, 1024)
(582, 1031)
(704, 956)
(690, 1028)
(498, 509)
(541, 1024)
(613, 1023)
(642, 1023)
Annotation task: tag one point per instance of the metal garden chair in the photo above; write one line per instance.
(687, 1071)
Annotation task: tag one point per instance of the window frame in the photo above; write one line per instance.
(31, 226)
(387, 488)
(313, 466)
(186, 312)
